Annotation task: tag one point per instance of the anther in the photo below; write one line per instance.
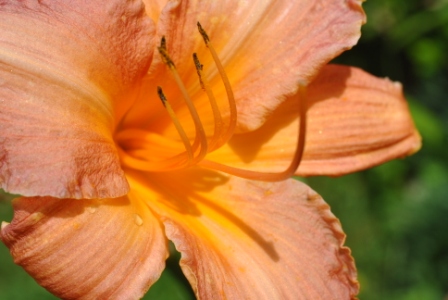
(161, 96)
(164, 54)
(163, 43)
(199, 68)
(203, 33)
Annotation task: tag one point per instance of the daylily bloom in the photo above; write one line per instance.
(117, 144)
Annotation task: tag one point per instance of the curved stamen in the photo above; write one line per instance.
(200, 132)
(176, 123)
(225, 80)
(216, 113)
(272, 176)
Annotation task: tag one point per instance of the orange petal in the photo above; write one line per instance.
(243, 239)
(87, 249)
(62, 66)
(355, 121)
(266, 47)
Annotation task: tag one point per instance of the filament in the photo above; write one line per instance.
(216, 113)
(225, 80)
(142, 146)
(176, 123)
(200, 132)
(272, 176)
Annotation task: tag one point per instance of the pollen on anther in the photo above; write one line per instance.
(164, 53)
(199, 68)
(161, 95)
(163, 43)
(203, 33)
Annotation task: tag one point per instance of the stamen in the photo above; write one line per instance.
(163, 43)
(176, 123)
(216, 113)
(137, 151)
(272, 176)
(200, 132)
(225, 80)
(164, 53)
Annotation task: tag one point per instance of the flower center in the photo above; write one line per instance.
(153, 152)
(169, 156)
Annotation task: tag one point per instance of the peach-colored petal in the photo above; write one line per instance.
(355, 121)
(243, 239)
(266, 47)
(62, 65)
(154, 8)
(87, 249)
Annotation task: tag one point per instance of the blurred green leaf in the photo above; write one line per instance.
(429, 125)
(169, 286)
(172, 284)
(429, 55)
(416, 25)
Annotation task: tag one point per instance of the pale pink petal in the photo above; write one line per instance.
(267, 48)
(355, 121)
(62, 66)
(87, 249)
(243, 239)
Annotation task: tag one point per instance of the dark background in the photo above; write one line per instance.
(395, 215)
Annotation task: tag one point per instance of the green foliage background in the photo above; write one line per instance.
(395, 215)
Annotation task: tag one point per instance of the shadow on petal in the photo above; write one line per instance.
(248, 145)
(184, 194)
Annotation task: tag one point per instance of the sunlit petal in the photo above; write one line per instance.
(355, 121)
(87, 249)
(266, 47)
(60, 71)
(243, 239)
(85, 86)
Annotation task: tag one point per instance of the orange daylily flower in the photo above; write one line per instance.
(109, 173)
